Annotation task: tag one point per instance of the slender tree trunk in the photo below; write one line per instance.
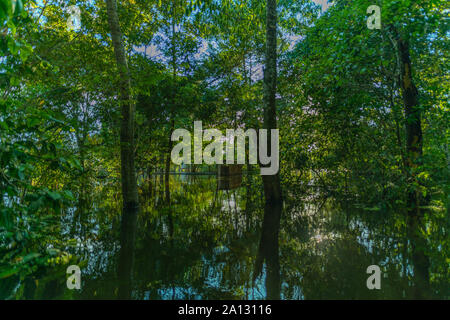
(129, 185)
(272, 187)
(167, 169)
(413, 123)
(161, 177)
(150, 184)
(172, 126)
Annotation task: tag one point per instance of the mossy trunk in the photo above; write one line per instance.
(413, 125)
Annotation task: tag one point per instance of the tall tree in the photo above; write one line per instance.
(272, 187)
(129, 185)
(172, 124)
(413, 29)
(413, 118)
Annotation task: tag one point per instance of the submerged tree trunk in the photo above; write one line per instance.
(272, 187)
(413, 123)
(167, 169)
(129, 185)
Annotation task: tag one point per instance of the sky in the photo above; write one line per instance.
(323, 3)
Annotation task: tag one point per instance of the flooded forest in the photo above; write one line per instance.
(345, 194)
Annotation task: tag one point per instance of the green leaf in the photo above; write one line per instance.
(8, 273)
(54, 195)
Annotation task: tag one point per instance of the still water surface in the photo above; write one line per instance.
(226, 244)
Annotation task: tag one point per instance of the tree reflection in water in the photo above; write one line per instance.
(268, 250)
(226, 244)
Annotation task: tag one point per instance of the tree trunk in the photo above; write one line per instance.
(172, 126)
(413, 123)
(129, 185)
(167, 171)
(150, 184)
(272, 187)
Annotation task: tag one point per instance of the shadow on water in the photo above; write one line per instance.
(420, 260)
(126, 253)
(218, 240)
(269, 251)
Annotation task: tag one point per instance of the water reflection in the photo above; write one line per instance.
(268, 250)
(420, 260)
(126, 253)
(226, 244)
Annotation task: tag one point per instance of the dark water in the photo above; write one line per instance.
(226, 244)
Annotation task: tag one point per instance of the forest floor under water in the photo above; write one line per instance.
(226, 244)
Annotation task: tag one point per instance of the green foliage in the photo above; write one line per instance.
(29, 146)
(340, 114)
